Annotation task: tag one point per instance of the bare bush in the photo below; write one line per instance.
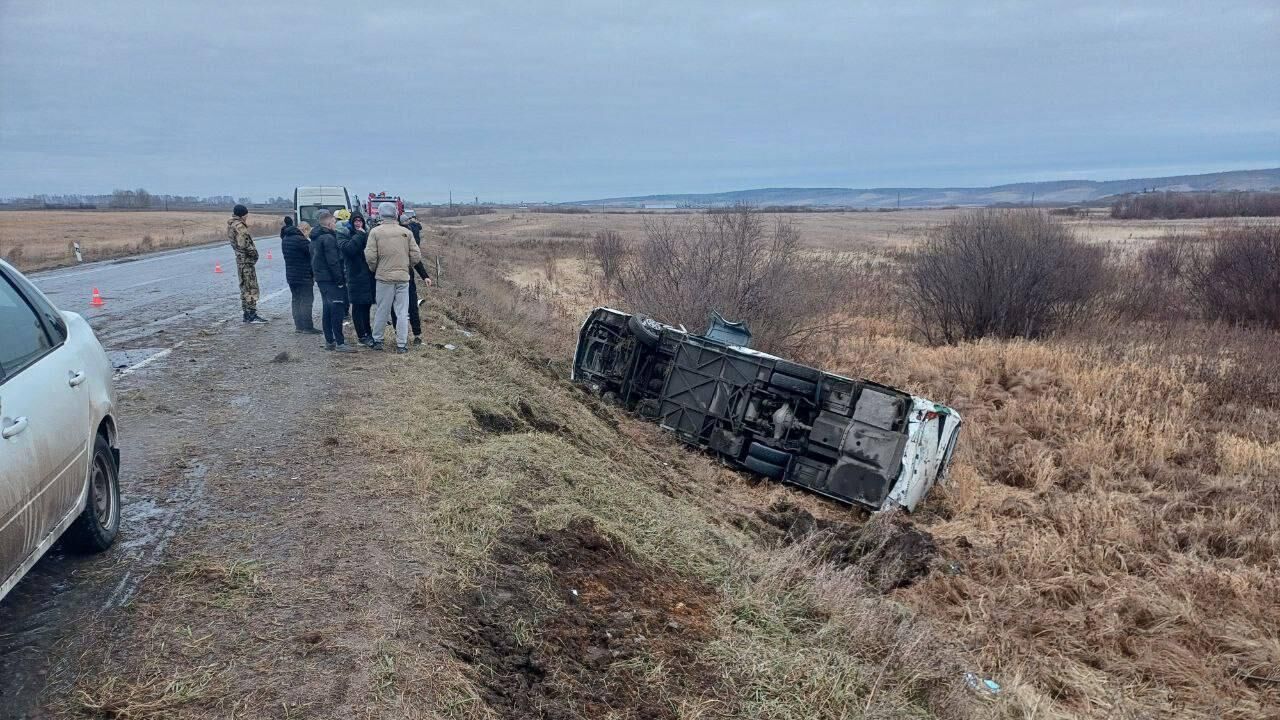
(683, 269)
(1238, 279)
(610, 252)
(1172, 205)
(14, 255)
(1001, 273)
(1153, 286)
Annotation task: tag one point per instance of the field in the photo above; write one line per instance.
(460, 532)
(36, 239)
(1108, 543)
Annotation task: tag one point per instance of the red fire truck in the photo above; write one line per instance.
(371, 208)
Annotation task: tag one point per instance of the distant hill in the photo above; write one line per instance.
(1055, 192)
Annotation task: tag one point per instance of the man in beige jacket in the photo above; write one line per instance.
(391, 254)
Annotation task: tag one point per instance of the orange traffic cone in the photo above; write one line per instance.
(97, 299)
(217, 267)
(268, 254)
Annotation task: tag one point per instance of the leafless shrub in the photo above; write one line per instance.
(147, 244)
(549, 262)
(610, 252)
(450, 211)
(1153, 286)
(1001, 273)
(563, 233)
(14, 255)
(683, 269)
(1196, 205)
(1238, 279)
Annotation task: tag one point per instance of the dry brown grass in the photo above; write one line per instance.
(36, 239)
(1112, 517)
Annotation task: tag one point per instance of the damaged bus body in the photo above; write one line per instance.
(852, 440)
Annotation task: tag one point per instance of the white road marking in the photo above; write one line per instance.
(165, 352)
(141, 284)
(149, 359)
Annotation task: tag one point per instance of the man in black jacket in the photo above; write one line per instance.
(409, 221)
(296, 249)
(352, 239)
(326, 263)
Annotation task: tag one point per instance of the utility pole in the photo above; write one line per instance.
(451, 199)
(899, 205)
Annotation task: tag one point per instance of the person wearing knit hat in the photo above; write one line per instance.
(246, 258)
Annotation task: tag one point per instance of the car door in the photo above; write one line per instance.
(44, 425)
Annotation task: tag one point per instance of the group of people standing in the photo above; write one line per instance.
(358, 268)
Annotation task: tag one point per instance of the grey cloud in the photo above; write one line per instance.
(580, 99)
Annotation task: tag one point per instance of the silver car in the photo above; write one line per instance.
(59, 462)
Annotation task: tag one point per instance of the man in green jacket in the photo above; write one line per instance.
(246, 258)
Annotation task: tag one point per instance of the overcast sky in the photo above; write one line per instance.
(573, 100)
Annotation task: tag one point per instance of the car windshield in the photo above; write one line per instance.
(307, 213)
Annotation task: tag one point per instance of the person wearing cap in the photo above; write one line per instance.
(391, 254)
(326, 263)
(409, 222)
(246, 259)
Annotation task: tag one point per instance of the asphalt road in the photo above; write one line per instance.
(152, 304)
(152, 301)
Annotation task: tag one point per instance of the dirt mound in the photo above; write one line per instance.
(889, 551)
(604, 635)
(495, 421)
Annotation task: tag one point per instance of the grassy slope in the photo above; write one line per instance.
(1112, 516)
(512, 452)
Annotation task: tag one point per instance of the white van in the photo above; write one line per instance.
(308, 201)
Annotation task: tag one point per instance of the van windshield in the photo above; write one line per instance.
(307, 213)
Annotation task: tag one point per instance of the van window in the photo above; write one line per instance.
(307, 213)
(23, 339)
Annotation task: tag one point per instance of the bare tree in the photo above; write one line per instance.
(610, 252)
(1002, 273)
(1238, 279)
(731, 262)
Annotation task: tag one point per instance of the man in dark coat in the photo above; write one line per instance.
(352, 239)
(410, 222)
(326, 263)
(296, 249)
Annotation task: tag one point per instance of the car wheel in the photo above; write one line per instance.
(768, 454)
(794, 384)
(99, 522)
(769, 470)
(645, 334)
